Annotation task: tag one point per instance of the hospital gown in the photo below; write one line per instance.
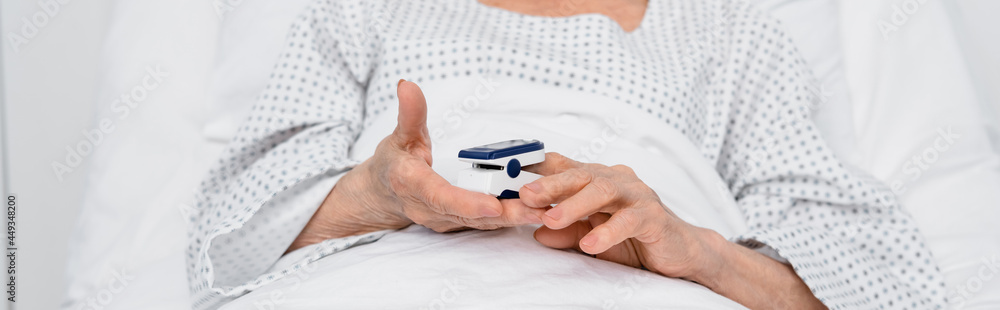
(720, 72)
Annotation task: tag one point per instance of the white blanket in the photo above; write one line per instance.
(505, 269)
(508, 268)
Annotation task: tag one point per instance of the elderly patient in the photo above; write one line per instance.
(721, 73)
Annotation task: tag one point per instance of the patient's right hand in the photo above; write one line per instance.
(397, 187)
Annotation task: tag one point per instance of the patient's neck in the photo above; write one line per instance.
(628, 13)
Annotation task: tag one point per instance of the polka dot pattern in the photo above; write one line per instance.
(720, 72)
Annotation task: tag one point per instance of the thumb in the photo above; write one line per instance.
(411, 127)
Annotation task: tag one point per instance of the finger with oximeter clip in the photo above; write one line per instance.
(496, 168)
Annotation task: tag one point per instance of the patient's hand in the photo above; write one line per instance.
(397, 187)
(627, 223)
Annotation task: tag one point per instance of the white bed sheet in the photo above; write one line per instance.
(142, 175)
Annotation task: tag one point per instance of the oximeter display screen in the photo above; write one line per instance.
(504, 145)
(501, 149)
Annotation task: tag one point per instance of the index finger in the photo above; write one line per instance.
(554, 163)
(442, 197)
(515, 213)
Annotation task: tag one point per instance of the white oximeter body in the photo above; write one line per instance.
(496, 168)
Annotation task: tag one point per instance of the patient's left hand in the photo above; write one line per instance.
(626, 221)
(628, 224)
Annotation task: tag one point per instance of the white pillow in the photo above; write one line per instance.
(130, 227)
(910, 87)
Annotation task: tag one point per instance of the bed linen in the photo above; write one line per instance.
(131, 217)
(417, 268)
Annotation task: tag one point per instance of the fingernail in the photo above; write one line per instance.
(534, 187)
(490, 212)
(588, 241)
(533, 218)
(554, 213)
(400, 82)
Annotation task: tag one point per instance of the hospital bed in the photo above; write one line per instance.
(891, 95)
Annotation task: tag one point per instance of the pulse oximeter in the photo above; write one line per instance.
(496, 168)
